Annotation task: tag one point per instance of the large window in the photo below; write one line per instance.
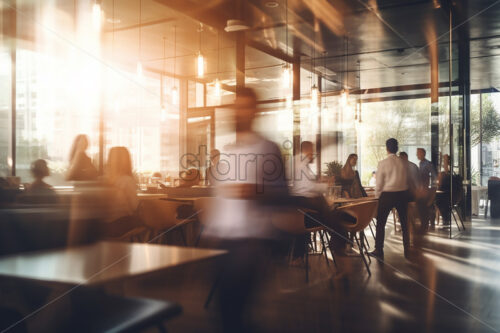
(407, 120)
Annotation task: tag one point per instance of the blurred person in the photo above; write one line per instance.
(373, 180)
(443, 200)
(123, 201)
(213, 170)
(39, 192)
(238, 220)
(351, 183)
(308, 193)
(80, 165)
(426, 169)
(189, 178)
(413, 175)
(427, 178)
(392, 191)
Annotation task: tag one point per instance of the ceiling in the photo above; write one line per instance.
(359, 43)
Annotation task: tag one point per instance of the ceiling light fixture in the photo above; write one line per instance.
(235, 26)
(271, 4)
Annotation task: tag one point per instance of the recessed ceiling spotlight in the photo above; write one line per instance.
(271, 4)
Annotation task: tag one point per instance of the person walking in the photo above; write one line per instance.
(392, 191)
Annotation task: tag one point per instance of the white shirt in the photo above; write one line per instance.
(372, 182)
(304, 180)
(391, 175)
(253, 160)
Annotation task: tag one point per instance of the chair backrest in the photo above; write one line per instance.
(159, 214)
(288, 219)
(363, 212)
(203, 207)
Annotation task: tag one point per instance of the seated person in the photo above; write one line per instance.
(189, 178)
(39, 192)
(123, 203)
(308, 193)
(213, 169)
(373, 179)
(349, 178)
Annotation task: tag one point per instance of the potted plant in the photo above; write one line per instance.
(333, 171)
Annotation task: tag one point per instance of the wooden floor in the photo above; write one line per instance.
(449, 285)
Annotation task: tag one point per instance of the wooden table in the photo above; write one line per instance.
(100, 263)
(149, 196)
(345, 201)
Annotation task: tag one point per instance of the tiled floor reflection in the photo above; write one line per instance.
(449, 285)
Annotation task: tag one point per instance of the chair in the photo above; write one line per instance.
(493, 198)
(160, 216)
(363, 212)
(94, 311)
(291, 220)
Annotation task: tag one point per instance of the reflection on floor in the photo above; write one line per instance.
(449, 285)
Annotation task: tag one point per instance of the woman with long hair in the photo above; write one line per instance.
(80, 165)
(351, 183)
(123, 203)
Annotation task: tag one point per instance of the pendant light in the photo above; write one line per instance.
(323, 88)
(345, 92)
(163, 114)
(139, 64)
(96, 15)
(218, 90)
(359, 88)
(286, 76)
(175, 92)
(314, 87)
(200, 59)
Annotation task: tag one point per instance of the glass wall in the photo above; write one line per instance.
(5, 113)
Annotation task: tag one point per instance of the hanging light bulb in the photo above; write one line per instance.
(96, 15)
(286, 77)
(139, 69)
(314, 97)
(201, 65)
(218, 90)
(343, 97)
(175, 95)
(163, 114)
(289, 101)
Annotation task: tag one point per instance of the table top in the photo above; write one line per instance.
(351, 200)
(100, 262)
(145, 196)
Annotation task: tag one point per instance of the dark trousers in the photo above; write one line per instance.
(386, 202)
(443, 203)
(425, 209)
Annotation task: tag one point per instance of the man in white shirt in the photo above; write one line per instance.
(304, 180)
(392, 191)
